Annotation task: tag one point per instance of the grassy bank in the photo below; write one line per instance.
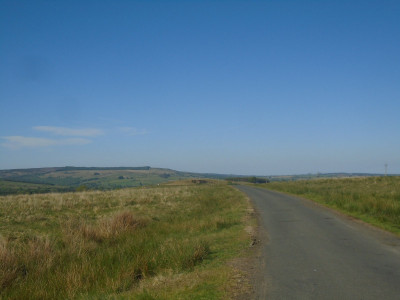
(375, 200)
(157, 243)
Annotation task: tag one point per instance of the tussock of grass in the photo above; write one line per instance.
(120, 244)
(106, 229)
(373, 199)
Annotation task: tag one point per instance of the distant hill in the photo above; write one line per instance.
(69, 178)
(64, 179)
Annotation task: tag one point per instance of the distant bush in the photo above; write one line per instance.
(81, 188)
(199, 181)
(251, 179)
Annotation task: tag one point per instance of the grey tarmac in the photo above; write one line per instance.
(312, 252)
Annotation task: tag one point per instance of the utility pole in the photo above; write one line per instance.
(386, 165)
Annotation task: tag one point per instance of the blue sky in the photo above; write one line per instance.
(243, 87)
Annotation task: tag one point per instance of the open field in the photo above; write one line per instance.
(375, 200)
(164, 242)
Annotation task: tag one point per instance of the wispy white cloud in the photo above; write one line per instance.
(132, 131)
(16, 142)
(64, 131)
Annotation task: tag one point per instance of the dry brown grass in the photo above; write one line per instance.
(8, 265)
(107, 228)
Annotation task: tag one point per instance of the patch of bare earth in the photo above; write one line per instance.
(247, 280)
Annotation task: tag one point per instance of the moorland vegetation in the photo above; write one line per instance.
(164, 242)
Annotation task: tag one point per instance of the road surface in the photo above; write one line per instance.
(311, 252)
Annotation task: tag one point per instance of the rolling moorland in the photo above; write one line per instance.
(68, 179)
(174, 241)
(125, 233)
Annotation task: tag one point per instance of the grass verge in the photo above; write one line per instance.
(167, 242)
(375, 200)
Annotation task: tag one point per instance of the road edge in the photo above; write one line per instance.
(253, 262)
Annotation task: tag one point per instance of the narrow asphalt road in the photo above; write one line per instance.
(311, 252)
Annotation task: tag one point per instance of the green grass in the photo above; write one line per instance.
(375, 200)
(167, 242)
